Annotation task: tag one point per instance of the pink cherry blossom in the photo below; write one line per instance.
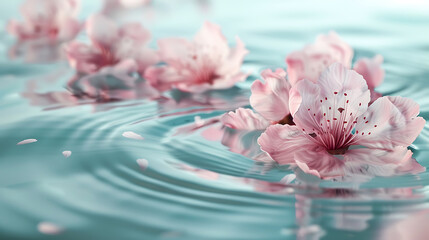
(309, 62)
(111, 44)
(338, 135)
(198, 65)
(47, 21)
(270, 99)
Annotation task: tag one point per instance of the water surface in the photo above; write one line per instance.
(197, 183)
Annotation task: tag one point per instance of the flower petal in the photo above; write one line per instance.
(234, 59)
(313, 59)
(305, 107)
(379, 162)
(319, 163)
(104, 36)
(389, 122)
(132, 135)
(281, 142)
(83, 58)
(174, 51)
(26, 141)
(371, 70)
(271, 99)
(210, 35)
(244, 119)
(163, 78)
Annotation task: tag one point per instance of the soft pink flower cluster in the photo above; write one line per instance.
(326, 119)
(121, 51)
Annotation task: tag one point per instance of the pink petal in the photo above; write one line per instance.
(234, 60)
(339, 85)
(69, 28)
(304, 105)
(271, 99)
(67, 154)
(132, 135)
(319, 163)
(83, 58)
(389, 122)
(211, 35)
(143, 163)
(135, 32)
(340, 95)
(174, 51)
(371, 70)
(49, 228)
(105, 36)
(244, 119)
(163, 78)
(304, 167)
(281, 142)
(26, 141)
(313, 59)
(379, 162)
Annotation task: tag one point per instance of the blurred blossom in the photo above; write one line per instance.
(48, 21)
(46, 25)
(204, 63)
(107, 69)
(309, 62)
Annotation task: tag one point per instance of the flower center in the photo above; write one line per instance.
(288, 120)
(339, 151)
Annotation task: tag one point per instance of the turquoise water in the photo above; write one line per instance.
(200, 181)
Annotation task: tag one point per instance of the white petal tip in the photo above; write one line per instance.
(26, 141)
(132, 135)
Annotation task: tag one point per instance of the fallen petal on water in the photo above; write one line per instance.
(67, 154)
(26, 141)
(143, 163)
(49, 228)
(132, 135)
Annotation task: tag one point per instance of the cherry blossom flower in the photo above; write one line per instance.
(270, 100)
(47, 21)
(111, 44)
(204, 63)
(338, 135)
(309, 62)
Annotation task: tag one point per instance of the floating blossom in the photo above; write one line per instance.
(269, 99)
(111, 44)
(204, 63)
(50, 21)
(313, 59)
(338, 135)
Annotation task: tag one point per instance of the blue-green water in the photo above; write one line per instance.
(194, 187)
